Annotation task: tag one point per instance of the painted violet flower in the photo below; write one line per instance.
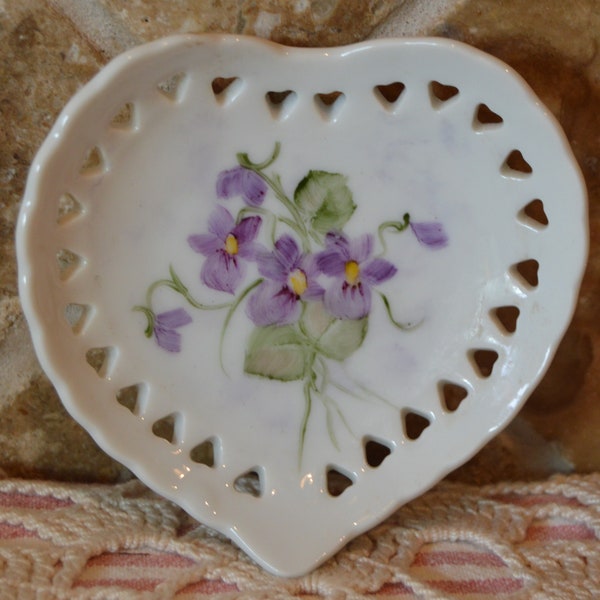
(165, 328)
(349, 262)
(290, 276)
(226, 247)
(240, 181)
(430, 234)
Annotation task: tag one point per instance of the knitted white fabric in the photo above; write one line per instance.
(511, 540)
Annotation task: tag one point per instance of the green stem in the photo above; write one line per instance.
(251, 210)
(327, 400)
(348, 391)
(305, 417)
(398, 324)
(329, 421)
(228, 317)
(178, 286)
(340, 415)
(192, 302)
(326, 381)
(316, 342)
(275, 184)
(273, 219)
(292, 224)
(369, 393)
(397, 226)
(309, 384)
(153, 287)
(150, 316)
(245, 161)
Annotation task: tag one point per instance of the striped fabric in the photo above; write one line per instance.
(502, 542)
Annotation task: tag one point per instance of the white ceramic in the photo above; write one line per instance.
(252, 300)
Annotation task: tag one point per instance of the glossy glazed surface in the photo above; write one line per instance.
(258, 448)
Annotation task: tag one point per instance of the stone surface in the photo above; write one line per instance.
(43, 61)
(112, 25)
(49, 49)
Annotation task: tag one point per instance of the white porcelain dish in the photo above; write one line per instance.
(291, 289)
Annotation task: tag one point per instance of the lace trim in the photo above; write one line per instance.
(509, 540)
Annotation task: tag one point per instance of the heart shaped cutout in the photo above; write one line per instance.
(292, 289)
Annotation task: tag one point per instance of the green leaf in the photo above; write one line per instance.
(276, 352)
(325, 199)
(316, 320)
(343, 337)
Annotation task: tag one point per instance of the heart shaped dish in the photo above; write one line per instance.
(291, 289)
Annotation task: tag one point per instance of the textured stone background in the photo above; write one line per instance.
(48, 49)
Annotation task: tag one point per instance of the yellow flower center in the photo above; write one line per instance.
(231, 244)
(298, 282)
(352, 271)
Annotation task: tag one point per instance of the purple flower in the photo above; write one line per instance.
(226, 246)
(240, 181)
(165, 328)
(290, 277)
(430, 234)
(349, 295)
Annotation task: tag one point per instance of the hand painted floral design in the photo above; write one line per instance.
(307, 287)
(355, 272)
(290, 278)
(430, 234)
(227, 246)
(240, 181)
(166, 325)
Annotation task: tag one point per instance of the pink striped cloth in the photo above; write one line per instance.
(507, 541)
